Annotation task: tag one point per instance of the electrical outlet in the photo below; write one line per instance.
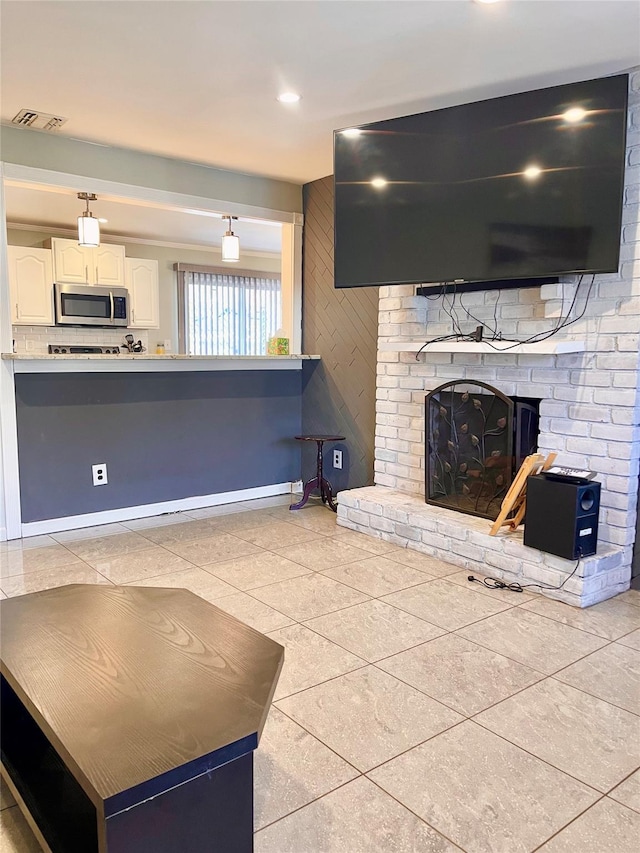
(337, 459)
(99, 473)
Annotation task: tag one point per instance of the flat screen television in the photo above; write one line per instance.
(506, 191)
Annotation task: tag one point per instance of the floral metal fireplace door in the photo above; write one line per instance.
(469, 447)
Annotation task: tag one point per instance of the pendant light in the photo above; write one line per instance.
(230, 244)
(88, 225)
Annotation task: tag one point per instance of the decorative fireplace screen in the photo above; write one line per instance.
(470, 459)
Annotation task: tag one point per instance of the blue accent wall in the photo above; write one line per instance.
(164, 436)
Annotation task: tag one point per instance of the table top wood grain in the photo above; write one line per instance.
(137, 688)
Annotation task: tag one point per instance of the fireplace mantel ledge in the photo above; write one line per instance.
(549, 347)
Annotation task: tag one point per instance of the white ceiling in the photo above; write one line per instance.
(56, 210)
(198, 80)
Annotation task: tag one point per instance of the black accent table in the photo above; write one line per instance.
(129, 719)
(319, 481)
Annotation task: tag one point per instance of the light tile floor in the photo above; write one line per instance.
(415, 711)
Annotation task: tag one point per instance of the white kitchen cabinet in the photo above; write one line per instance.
(30, 286)
(141, 280)
(109, 265)
(76, 264)
(70, 261)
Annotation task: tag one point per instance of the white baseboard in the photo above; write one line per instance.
(73, 522)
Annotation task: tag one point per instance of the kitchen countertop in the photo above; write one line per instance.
(148, 363)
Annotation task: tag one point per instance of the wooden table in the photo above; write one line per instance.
(129, 719)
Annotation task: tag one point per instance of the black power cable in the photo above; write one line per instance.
(538, 337)
(496, 583)
(543, 336)
(494, 331)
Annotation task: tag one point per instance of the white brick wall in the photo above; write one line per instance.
(590, 410)
(405, 520)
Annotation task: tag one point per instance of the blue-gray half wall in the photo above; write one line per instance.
(164, 436)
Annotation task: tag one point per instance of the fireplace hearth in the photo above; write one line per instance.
(476, 438)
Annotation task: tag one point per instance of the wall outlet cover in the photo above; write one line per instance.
(337, 459)
(99, 473)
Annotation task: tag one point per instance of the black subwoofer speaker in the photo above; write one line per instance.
(562, 515)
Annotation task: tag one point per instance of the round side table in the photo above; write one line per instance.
(319, 481)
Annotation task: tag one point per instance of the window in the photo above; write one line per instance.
(227, 313)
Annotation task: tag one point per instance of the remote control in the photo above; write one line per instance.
(570, 472)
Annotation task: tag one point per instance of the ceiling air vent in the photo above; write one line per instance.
(38, 121)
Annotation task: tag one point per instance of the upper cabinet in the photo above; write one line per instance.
(33, 271)
(141, 280)
(83, 265)
(109, 265)
(30, 286)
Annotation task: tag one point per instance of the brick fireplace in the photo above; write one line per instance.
(587, 380)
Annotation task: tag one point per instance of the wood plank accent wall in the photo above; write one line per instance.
(339, 392)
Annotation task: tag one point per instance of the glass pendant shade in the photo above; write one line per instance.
(88, 231)
(230, 247)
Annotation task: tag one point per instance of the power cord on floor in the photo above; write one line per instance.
(496, 583)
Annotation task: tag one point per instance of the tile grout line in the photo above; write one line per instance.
(617, 785)
(315, 737)
(426, 822)
(516, 746)
(593, 695)
(546, 674)
(311, 802)
(312, 686)
(537, 757)
(573, 819)
(194, 565)
(365, 773)
(80, 563)
(580, 610)
(458, 711)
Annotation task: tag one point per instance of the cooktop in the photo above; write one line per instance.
(67, 349)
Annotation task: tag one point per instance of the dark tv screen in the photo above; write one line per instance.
(519, 187)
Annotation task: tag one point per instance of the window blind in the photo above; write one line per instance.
(227, 314)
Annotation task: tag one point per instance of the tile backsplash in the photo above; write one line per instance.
(36, 339)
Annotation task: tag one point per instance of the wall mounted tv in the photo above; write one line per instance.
(505, 192)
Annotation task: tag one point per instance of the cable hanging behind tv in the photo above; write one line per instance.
(450, 287)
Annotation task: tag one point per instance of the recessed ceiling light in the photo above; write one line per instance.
(486, 2)
(351, 131)
(532, 172)
(288, 98)
(574, 115)
(378, 183)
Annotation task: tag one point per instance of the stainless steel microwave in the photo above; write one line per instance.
(89, 305)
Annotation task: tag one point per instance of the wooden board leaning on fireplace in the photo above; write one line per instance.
(513, 506)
